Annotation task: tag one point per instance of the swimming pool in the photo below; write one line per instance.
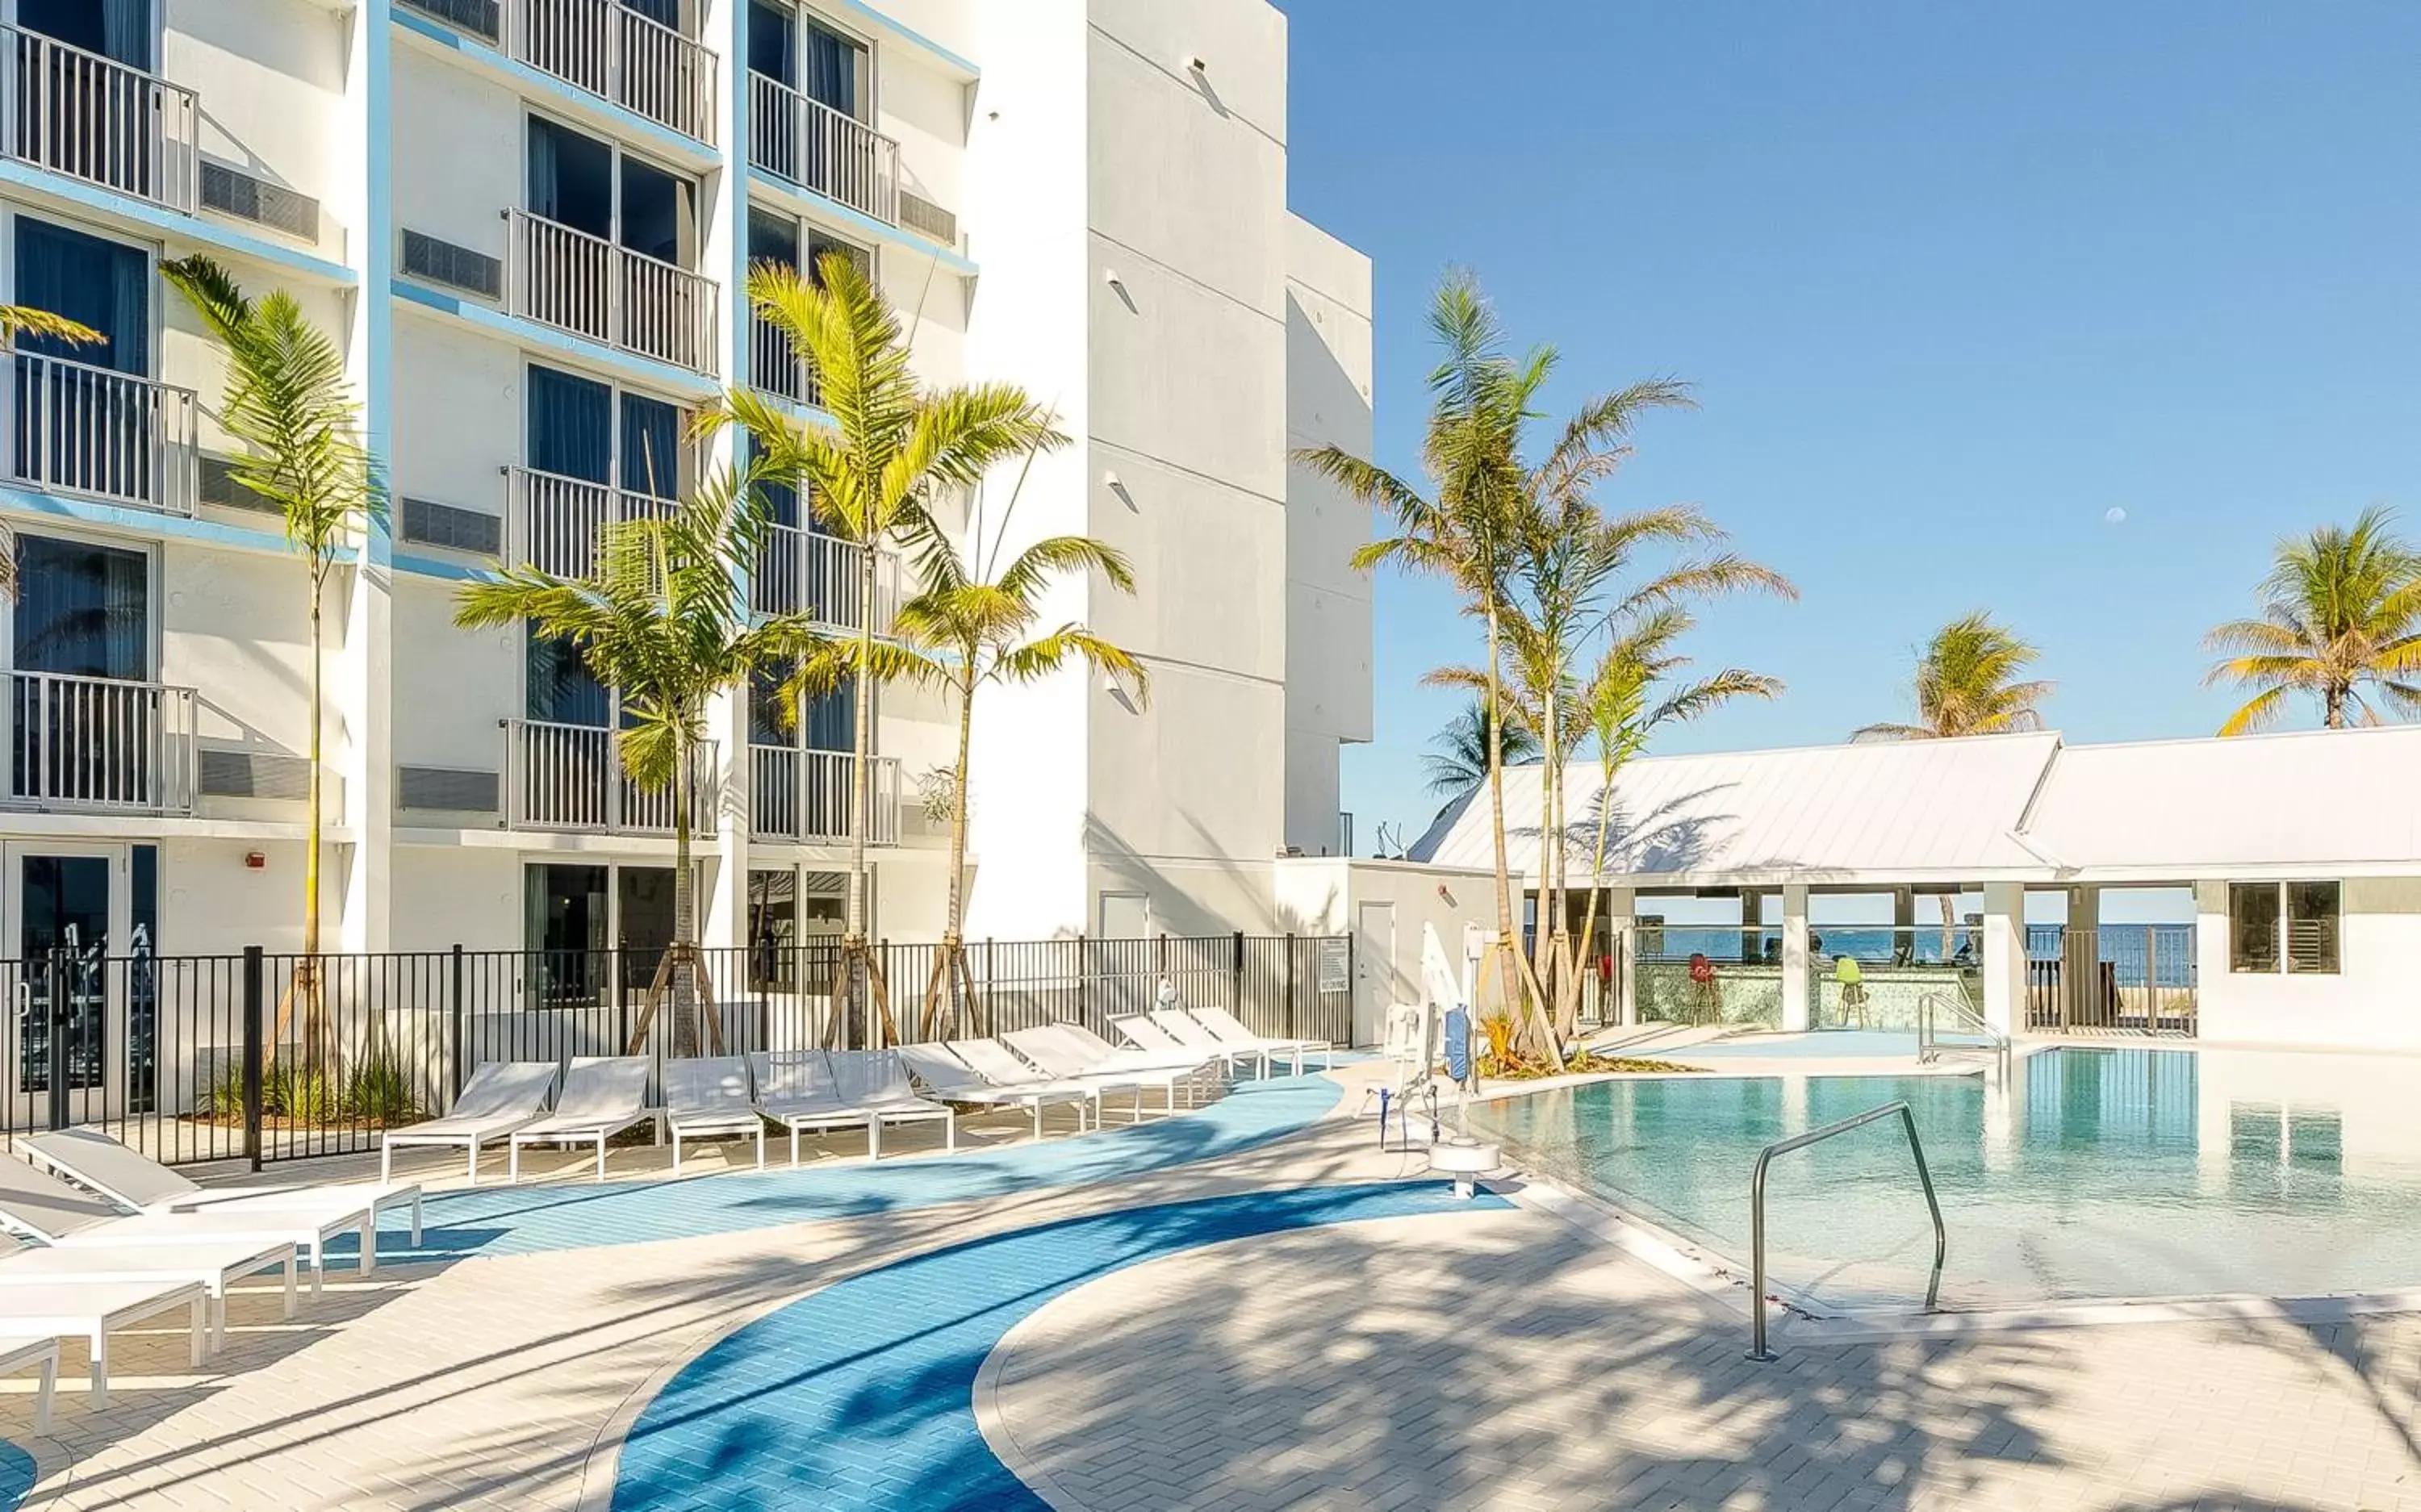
(2096, 1173)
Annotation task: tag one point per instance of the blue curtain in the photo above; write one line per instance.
(126, 31)
(103, 284)
(561, 688)
(832, 71)
(663, 12)
(570, 426)
(650, 447)
(81, 610)
(769, 44)
(831, 721)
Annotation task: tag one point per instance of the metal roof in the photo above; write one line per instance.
(2009, 808)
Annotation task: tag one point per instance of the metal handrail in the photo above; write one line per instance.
(1929, 1045)
(1756, 1209)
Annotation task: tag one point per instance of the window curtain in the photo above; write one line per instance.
(832, 71)
(104, 285)
(650, 447)
(663, 12)
(82, 610)
(570, 426)
(770, 51)
(831, 721)
(126, 31)
(561, 688)
(545, 176)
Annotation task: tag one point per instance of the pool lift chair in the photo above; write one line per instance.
(1412, 1045)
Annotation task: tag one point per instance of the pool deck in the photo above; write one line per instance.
(1250, 1305)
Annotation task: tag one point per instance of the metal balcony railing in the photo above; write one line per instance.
(553, 520)
(802, 796)
(775, 368)
(571, 777)
(99, 744)
(617, 53)
(818, 148)
(97, 120)
(105, 434)
(592, 288)
(801, 572)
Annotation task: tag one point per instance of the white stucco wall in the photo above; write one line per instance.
(270, 76)
(2373, 1003)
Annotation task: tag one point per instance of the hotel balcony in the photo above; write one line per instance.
(610, 294)
(100, 745)
(104, 435)
(775, 368)
(603, 47)
(94, 119)
(801, 572)
(571, 777)
(802, 797)
(823, 150)
(553, 520)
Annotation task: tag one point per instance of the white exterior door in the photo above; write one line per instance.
(1374, 970)
(67, 910)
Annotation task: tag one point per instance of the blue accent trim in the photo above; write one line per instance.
(900, 32)
(861, 1397)
(659, 375)
(536, 1220)
(168, 224)
(689, 150)
(142, 521)
(431, 567)
(859, 221)
(378, 263)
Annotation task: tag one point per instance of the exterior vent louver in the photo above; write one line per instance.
(219, 487)
(481, 18)
(233, 191)
(255, 775)
(928, 220)
(443, 262)
(430, 523)
(451, 789)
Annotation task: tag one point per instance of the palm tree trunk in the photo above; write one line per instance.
(2333, 697)
(306, 984)
(946, 974)
(1548, 948)
(1530, 1034)
(862, 745)
(687, 1009)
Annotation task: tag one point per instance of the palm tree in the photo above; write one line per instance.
(290, 407)
(24, 320)
(1967, 684)
(2340, 613)
(1459, 755)
(662, 618)
(1635, 690)
(871, 477)
(972, 625)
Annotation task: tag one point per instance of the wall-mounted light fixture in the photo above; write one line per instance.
(1197, 66)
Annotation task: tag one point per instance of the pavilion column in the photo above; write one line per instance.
(1798, 984)
(1621, 941)
(2081, 961)
(2005, 956)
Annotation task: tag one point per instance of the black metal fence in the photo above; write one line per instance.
(265, 1057)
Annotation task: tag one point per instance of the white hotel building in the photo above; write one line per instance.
(529, 221)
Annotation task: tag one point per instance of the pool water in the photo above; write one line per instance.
(2096, 1173)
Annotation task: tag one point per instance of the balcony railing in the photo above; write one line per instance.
(801, 572)
(818, 148)
(613, 51)
(554, 520)
(571, 777)
(94, 119)
(775, 369)
(109, 435)
(99, 744)
(592, 288)
(802, 796)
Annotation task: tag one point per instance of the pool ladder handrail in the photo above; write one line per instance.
(1757, 1211)
(1929, 1043)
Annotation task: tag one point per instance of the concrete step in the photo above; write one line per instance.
(1646, 1039)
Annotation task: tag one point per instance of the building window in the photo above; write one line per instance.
(2291, 927)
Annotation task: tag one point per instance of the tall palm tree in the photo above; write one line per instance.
(662, 618)
(2340, 613)
(288, 406)
(1968, 683)
(24, 320)
(870, 477)
(970, 625)
(1460, 754)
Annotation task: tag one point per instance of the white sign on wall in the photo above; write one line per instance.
(1335, 968)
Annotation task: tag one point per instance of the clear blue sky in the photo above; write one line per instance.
(1953, 282)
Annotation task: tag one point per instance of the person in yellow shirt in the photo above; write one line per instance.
(1854, 989)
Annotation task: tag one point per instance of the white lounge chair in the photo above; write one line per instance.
(1055, 1052)
(602, 1095)
(1229, 1029)
(210, 1263)
(501, 1096)
(1150, 1038)
(132, 1178)
(33, 1317)
(1000, 1065)
(706, 1098)
(39, 1204)
(43, 1350)
(875, 1080)
(952, 1079)
(794, 1089)
(1194, 1035)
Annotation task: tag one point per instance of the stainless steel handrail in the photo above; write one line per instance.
(1928, 1042)
(1756, 1209)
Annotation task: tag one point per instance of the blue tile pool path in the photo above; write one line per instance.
(537, 1218)
(861, 1397)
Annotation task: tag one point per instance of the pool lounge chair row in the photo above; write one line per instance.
(1218, 1032)
(104, 1238)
